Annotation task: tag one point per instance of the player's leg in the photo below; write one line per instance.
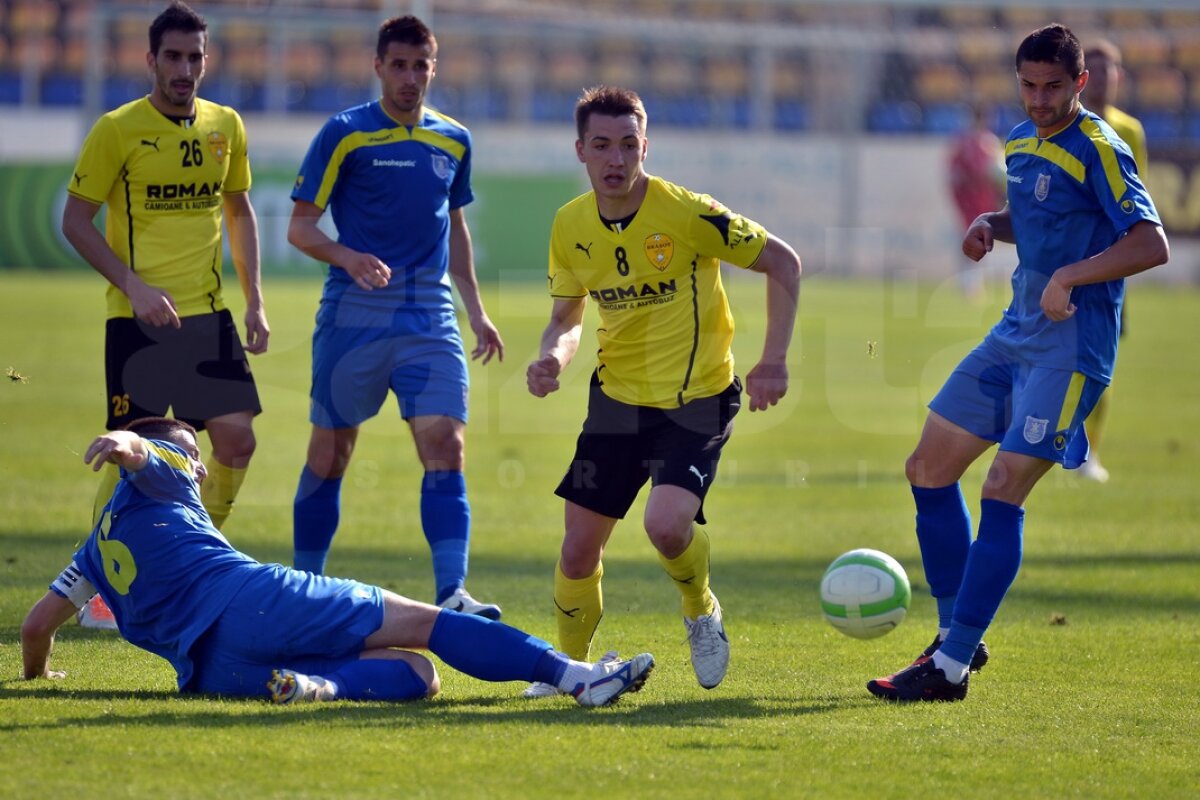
(445, 510)
(601, 483)
(492, 651)
(943, 522)
(213, 389)
(233, 444)
(578, 593)
(318, 504)
(431, 390)
(351, 365)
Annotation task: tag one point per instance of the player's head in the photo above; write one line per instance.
(1103, 61)
(612, 143)
(178, 40)
(1050, 74)
(175, 431)
(609, 101)
(405, 61)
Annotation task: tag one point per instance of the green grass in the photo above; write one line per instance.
(1104, 705)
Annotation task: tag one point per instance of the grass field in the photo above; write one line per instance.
(1091, 691)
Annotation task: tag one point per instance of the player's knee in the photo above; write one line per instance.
(914, 470)
(669, 534)
(427, 672)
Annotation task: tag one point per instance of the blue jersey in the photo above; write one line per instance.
(1070, 196)
(391, 189)
(159, 563)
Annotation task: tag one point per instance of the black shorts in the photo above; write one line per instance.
(198, 371)
(622, 446)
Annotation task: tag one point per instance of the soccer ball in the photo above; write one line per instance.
(865, 593)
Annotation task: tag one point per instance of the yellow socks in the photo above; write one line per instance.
(110, 476)
(689, 570)
(220, 489)
(580, 604)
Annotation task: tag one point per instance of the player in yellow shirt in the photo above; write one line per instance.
(169, 166)
(664, 393)
(1103, 60)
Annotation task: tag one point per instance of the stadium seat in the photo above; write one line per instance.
(791, 114)
(61, 89)
(947, 118)
(10, 87)
(894, 116)
(1161, 126)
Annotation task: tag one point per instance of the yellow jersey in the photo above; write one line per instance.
(665, 326)
(163, 184)
(1131, 131)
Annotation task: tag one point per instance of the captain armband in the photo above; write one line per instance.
(73, 586)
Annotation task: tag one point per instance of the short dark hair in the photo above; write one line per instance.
(405, 30)
(608, 101)
(178, 16)
(1053, 44)
(161, 428)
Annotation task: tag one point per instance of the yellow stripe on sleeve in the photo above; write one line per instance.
(173, 459)
(1108, 157)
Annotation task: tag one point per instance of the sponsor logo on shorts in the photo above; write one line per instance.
(1060, 442)
(1035, 429)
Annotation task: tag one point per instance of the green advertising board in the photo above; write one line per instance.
(510, 220)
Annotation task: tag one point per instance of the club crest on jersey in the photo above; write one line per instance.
(1041, 189)
(659, 248)
(218, 145)
(1035, 429)
(441, 165)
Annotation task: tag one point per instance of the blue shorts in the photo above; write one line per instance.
(284, 619)
(1028, 409)
(358, 356)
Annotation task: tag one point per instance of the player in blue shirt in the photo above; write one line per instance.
(396, 176)
(232, 626)
(1082, 222)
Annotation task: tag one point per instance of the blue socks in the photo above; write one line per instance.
(446, 520)
(991, 568)
(944, 533)
(377, 679)
(315, 515)
(493, 651)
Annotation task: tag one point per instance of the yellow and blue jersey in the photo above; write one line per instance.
(1071, 196)
(159, 563)
(163, 183)
(665, 325)
(390, 188)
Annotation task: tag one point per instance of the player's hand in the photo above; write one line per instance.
(978, 240)
(257, 330)
(367, 271)
(1056, 301)
(542, 376)
(766, 384)
(487, 339)
(101, 450)
(150, 304)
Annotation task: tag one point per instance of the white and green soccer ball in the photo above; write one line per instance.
(865, 593)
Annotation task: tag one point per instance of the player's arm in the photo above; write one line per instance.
(560, 342)
(242, 225)
(767, 381)
(151, 305)
(304, 235)
(37, 634)
(985, 231)
(462, 271)
(1144, 246)
(123, 448)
